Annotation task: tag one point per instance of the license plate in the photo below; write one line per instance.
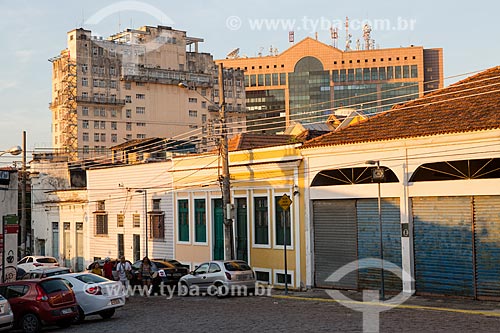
(115, 301)
(66, 311)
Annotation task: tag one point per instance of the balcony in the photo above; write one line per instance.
(100, 100)
(165, 76)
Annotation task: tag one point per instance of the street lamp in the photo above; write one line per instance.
(145, 217)
(16, 150)
(378, 176)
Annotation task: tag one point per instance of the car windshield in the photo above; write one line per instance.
(47, 260)
(90, 278)
(237, 266)
(54, 285)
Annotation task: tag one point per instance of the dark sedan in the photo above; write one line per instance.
(167, 271)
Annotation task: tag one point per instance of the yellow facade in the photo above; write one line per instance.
(257, 176)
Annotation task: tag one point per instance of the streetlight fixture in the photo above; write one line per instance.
(378, 176)
(16, 150)
(145, 192)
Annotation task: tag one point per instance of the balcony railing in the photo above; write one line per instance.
(100, 100)
(165, 76)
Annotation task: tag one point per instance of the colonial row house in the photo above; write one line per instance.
(439, 196)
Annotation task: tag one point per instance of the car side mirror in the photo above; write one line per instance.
(192, 273)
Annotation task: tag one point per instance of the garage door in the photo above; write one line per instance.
(334, 224)
(443, 245)
(369, 241)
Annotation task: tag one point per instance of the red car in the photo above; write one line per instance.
(37, 302)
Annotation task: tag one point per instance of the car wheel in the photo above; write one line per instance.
(30, 323)
(80, 317)
(106, 314)
(183, 289)
(222, 290)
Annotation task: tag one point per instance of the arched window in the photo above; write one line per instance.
(454, 170)
(350, 176)
(308, 64)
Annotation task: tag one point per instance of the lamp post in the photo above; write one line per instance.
(225, 177)
(145, 192)
(16, 150)
(378, 176)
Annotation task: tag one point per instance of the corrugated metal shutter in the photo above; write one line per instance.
(443, 245)
(369, 241)
(334, 240)
(487, 241)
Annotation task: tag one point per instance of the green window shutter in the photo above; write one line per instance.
(261, 221)
(200, 221)
(183, 220)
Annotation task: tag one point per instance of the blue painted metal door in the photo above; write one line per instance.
(487, 242)
(369, 241)
(443, 245)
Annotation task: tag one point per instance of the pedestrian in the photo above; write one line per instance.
(96, 269)
(108, 269)
(124, 273)
(146, 274)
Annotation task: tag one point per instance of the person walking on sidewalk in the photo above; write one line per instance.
(108, 269)
(146, 274)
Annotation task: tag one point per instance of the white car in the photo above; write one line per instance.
(95, 295)
(6, 315)
(32, 262)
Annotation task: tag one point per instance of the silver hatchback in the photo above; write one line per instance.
(219, 278)
(6, 315)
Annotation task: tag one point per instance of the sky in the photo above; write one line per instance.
(34, 31)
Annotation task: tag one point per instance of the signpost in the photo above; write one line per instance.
(285, 203)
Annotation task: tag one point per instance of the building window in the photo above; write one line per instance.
(112, 84)
(85, 82)
(114, 138)
(280, 278)
(85, 136)
(128, 86)
(141, 136)
(397, 72)
(140, 110)
(183, 220)
(203, 105)
(101, 218)
(192, 100)
(128, 137)
(280, 225)
(85, 111)
(96, 111)
(406, 71)
(112, 71)
(103, 137)
(140, 124)
(128, 99)
(113, 113)
(128, 113)
(414, 71)
(261, 221)
(156, 204)
(84, 68)
(140, 96)
(200, 221)
(282, 79)
(95, 83)
(193, 113)
(96, 137)
(263, 276)
(103, 125)
(120, 219)
(85, 124)
(128, 126)
(86, 149)
(136, 220)
(114, 125)
(157, 225)
(140, 84)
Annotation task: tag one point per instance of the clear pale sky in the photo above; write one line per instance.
(34, 31)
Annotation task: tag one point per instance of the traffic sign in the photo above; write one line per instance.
(285, 202)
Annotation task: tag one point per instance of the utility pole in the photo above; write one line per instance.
(24, 232)
(226, 185)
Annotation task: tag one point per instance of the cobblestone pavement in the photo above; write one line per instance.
(274, 314)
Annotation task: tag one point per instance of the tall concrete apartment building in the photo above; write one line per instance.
(309, 80)
(149, 82)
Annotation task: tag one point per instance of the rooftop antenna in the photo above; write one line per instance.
(366, 36)
(316, 35)
(260, 51)
(358, 44)
(347, 35)
(334, 34)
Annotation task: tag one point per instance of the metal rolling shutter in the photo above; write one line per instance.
(369, 241)
(334, 241)
(487, 242)
(443, 245)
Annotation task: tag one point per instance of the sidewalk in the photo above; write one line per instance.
(430, 303)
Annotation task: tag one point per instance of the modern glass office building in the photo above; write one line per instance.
(310, 80)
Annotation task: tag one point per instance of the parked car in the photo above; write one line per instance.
(41, 273)
(6, 315)
(38, 302)
(101, 265)
(173, 262)
(166, 272)
(220, 277)
(95, 295)
(31, 262)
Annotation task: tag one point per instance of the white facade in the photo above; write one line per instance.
(117, 189)
(403, 157)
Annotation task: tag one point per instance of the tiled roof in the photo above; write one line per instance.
(470, 105)
(245, 141)
(135, 143)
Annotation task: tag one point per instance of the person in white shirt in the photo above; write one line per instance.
(123, 268)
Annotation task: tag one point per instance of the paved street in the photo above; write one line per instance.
(307, 314)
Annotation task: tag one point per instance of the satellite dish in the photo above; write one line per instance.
(234, 54)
